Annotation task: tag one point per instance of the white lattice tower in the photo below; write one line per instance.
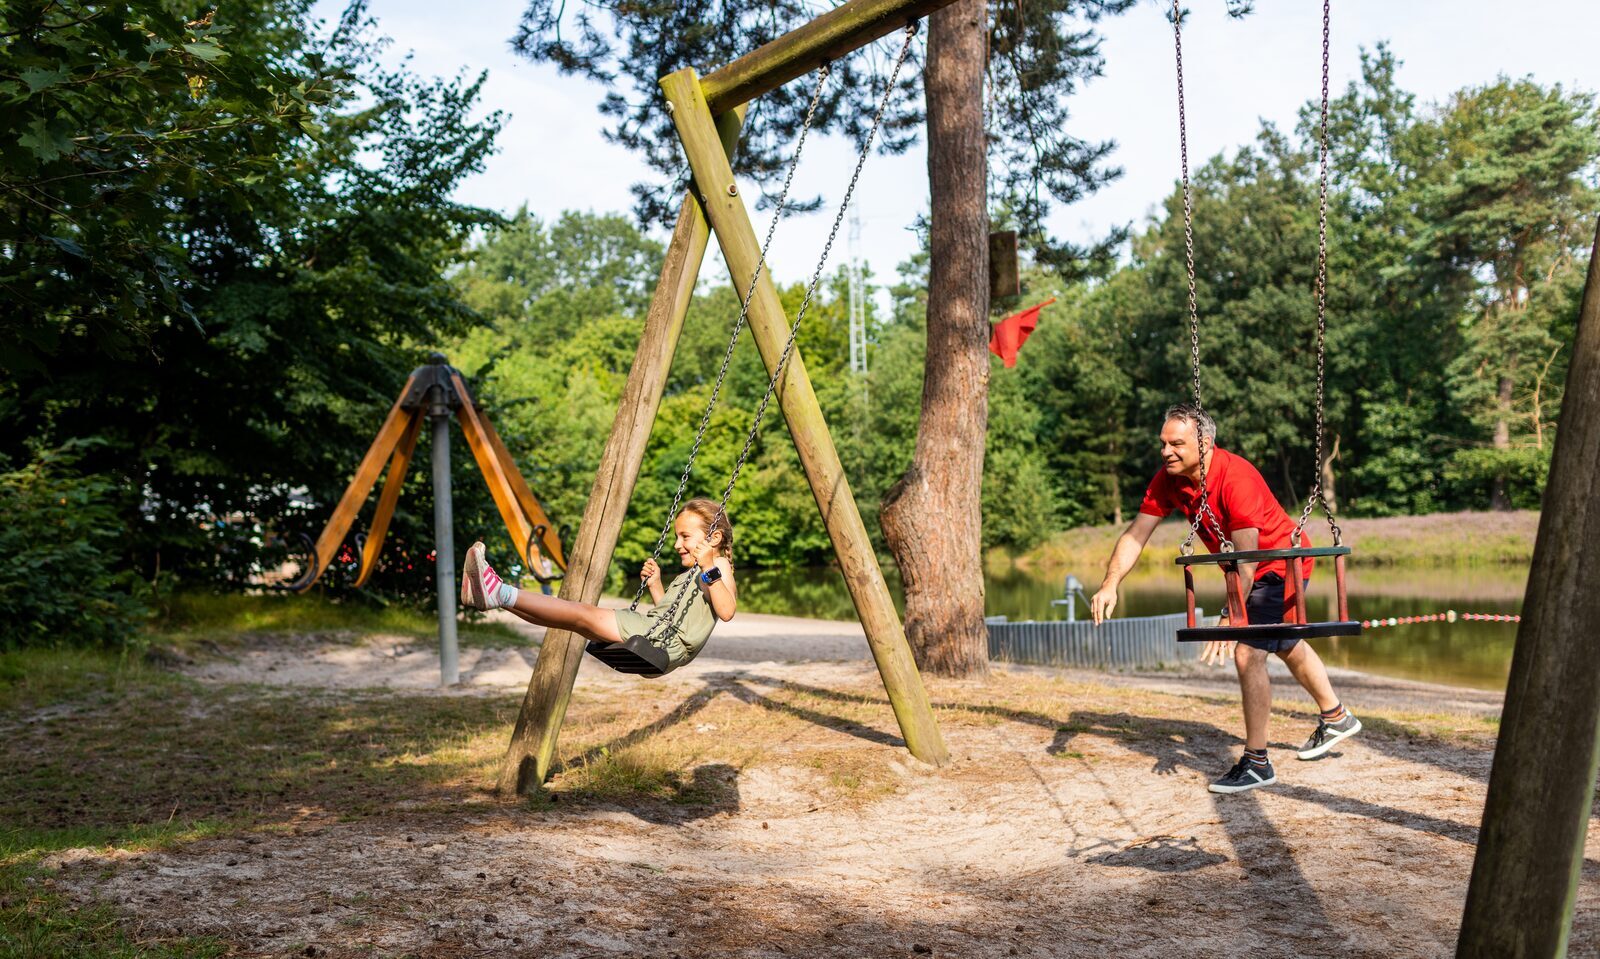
(858, 297)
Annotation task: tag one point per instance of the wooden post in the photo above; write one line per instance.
(1530, 848)
(770, 327)
(518, 524)
(533, 740)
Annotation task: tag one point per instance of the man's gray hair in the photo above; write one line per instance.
(1197, 417)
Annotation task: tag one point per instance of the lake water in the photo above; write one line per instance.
(1462, 653)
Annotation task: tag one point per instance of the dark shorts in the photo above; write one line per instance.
(1265, 606)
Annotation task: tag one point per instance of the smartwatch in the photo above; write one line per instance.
(710, 576)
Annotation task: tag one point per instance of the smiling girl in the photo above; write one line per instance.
(699, 596)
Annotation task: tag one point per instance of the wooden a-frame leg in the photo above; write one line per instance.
(360, 485)
(769, 325)
(544, 707)
(392, 484)
(550, 540)
(493, 471)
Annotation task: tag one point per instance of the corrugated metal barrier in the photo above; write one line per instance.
(1140, 641)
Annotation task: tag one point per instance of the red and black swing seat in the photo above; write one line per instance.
(1239, 626)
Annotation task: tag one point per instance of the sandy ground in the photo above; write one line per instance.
(1083, 831)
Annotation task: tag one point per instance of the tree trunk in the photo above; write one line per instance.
(1498, 498)
(1116, 498)
(932, 517)
(1328, 476)
(1115, 449)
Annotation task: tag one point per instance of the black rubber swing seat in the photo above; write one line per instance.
(1266, 631)
(636, 656)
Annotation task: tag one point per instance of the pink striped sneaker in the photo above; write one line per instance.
(480, 584)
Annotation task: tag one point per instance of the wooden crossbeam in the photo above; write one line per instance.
(834, 34)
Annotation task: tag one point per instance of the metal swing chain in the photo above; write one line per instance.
(794, 330)
(1204, 511)
(1317, 494)
(738, 326)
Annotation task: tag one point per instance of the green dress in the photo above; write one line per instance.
(692, 624)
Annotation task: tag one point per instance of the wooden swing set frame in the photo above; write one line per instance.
(708, 113)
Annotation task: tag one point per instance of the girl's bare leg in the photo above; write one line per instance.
(553, 612)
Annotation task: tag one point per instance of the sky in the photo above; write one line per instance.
(1238, 73)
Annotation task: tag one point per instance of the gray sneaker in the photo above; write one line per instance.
(1327, 734)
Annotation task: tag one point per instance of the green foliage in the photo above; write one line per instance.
(125, 111)
(62, 583)
(265, 257)
(1459, 237)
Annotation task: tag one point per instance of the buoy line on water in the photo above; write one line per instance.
(1448, 616)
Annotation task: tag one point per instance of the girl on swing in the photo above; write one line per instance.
(704, 539)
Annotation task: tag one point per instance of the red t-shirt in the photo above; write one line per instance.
(1240, 499)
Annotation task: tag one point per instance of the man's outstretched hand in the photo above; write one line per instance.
(1102, 603)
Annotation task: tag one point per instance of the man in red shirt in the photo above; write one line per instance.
(1250, 516)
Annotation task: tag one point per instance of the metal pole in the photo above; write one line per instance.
(444, 539)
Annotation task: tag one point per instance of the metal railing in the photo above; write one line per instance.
(1135, 642)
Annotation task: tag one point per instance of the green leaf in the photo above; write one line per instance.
(69, 246)
(48, 141)
(38, 78)
(208, 52)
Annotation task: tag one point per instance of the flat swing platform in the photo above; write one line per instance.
(1269, 631)
(1240, 628)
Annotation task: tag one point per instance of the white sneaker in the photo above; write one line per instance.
(480, 584)
(1326, 735)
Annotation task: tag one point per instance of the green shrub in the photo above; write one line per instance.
(59, 583)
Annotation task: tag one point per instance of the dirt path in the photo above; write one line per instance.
(1073, 822)
(752, 639)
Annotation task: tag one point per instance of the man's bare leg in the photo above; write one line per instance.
(1307, 668)
(1256, 689)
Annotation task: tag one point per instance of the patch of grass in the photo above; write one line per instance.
(37, 923)
(186, 619)
(636, 772)
(74, 678)
(34, 921)
(169, 751)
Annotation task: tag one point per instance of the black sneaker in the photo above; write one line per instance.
(1245, 775)
(1326, 734)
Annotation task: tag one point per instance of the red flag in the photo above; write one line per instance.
(1013, 331)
